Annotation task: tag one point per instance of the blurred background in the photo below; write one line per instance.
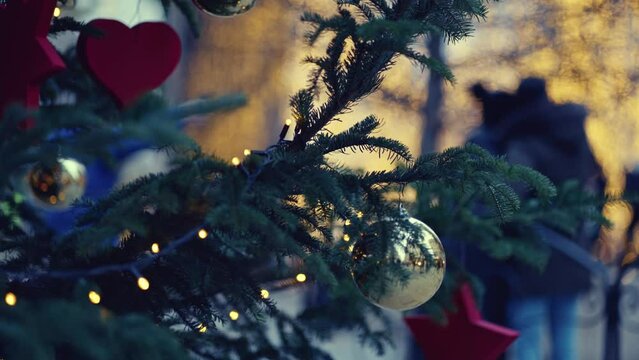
(587, 50)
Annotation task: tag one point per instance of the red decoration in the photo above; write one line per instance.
(466, 336)
(28, 58)
(130, 61)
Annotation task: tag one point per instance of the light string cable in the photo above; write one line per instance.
(136, 266)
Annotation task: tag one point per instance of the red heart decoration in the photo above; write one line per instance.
(130, 61)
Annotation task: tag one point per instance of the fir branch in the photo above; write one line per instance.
(67, 23)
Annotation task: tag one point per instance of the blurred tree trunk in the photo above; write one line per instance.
(432, 108)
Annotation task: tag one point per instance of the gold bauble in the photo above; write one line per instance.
(56, 187)
(224, 7)
(416, 250)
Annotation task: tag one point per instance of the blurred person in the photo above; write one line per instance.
(495, 109)
(533, 131)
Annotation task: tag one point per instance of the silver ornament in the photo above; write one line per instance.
(224, 7)
(417, 251)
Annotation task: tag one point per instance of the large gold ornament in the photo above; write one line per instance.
(57, 187)
(224, 7)
(416, 250)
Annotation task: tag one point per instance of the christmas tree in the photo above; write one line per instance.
(181, 264)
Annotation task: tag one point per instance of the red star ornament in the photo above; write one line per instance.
(466, 336)
(28, 58)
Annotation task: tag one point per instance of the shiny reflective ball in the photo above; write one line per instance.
(56, 187)
(224, 7)
(416, 251)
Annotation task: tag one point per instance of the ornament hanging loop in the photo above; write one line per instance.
(403, 213)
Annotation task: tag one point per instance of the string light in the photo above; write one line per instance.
(143, 283)
(57, 12)
(202, 234)
(347, 237)
(132, 266)
(247, 152)
(235, 161)
(11, 299)
(300, 277)
(285, 129)
(234, 315)
(94, 297)
(155, 248)
(347, 222)
(265, 294)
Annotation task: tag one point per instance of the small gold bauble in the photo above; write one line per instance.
(57, 186)
(224, 7)
(417, 251)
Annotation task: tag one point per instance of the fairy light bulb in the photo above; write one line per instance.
(143, 283)
(360, 214)
(347, 222)
(155, 248)
(347, 237)
(234, 315)
(247, 152)
(265, 294)
(300, 277)
(235, 161)
(57, 12)
(11, 299)
(202, 328)
(94, 297)
(202, 234)
(288, 122)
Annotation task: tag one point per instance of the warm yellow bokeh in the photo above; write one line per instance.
(587, 50)
(589, 53)
(261, 53)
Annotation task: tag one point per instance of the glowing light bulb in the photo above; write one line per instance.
(143, 283)
(155, 248)
(360, 214)
(202, 234)
(247, 152)
(265, 294)
(234, 315)
(347, 237)
(94, 297)
(347, 222)
(300, 277)
(201, 328)
(288, 122)
(11, 299)
(57, 12)
(235, 161)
